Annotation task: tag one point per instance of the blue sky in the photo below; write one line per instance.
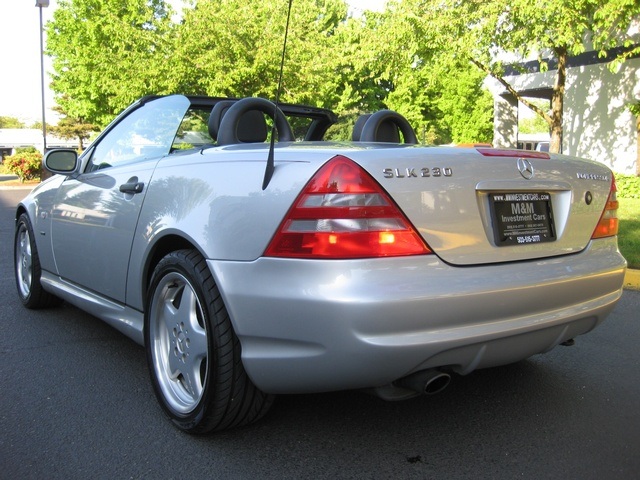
(20, 87)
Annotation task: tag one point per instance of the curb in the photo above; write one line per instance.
(632, 279)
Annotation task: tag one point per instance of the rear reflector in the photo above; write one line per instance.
(608, 224)
(344, 213)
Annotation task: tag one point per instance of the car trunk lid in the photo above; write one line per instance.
(477, 206)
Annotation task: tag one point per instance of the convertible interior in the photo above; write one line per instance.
(221, 121)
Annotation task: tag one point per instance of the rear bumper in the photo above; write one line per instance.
(311, 326)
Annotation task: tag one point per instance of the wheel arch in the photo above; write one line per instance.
(19, 211)
(162, 247)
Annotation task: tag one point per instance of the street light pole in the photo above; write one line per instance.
(40, 4)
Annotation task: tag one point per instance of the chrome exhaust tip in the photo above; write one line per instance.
(426, 382)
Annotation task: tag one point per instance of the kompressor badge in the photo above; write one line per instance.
(592, 176)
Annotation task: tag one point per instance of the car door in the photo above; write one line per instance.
(95, 214)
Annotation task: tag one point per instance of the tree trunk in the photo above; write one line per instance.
(557, 101)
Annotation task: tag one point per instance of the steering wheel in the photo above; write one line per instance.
(375, 126)
(228, 131)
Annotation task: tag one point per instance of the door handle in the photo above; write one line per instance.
(132, 186)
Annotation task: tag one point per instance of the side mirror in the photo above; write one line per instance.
(61, 161)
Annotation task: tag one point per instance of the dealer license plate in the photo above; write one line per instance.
(522, 218)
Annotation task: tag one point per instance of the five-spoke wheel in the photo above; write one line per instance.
(179, 346)
(27, 268)
(193, 353)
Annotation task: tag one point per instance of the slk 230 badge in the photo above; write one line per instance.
(423, 172)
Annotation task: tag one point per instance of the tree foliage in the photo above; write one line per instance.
(426, 59)
(440, 94)
(234, 48)
(10, 122)
(496, 33)
(73, 128)
(106, 54)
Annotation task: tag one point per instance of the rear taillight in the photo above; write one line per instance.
(344, 213)
(608, 224)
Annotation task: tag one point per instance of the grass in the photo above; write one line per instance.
(629, 233)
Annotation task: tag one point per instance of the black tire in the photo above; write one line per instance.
(193, 353)
(27, 269)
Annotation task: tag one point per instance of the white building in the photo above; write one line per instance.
(597, 122)
(12, 138)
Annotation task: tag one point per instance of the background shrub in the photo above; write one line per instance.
(25, 163)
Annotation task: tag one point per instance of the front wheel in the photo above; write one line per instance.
(193, 353)
(27, 268)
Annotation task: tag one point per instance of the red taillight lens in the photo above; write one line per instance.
(608, 224)
(344, 213)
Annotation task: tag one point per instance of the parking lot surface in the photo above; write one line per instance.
(76, 402)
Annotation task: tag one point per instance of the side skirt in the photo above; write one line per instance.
(121, 317)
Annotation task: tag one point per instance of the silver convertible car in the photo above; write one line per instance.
(250, 267)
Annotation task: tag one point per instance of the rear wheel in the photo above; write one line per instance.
(27, 268)
(193, 353)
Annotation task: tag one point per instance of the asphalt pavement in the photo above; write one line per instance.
(76, 403)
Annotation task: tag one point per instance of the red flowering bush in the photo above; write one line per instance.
(25, 164)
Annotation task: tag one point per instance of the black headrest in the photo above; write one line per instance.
(357, 128)
(252, 127)
(219, 109)
(388, 132)
(384, 126)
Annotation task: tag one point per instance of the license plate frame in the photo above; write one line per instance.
(522, 218)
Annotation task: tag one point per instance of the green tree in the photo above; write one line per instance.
(440, 94)
(484, 31)
(72, 128)
(37, 125)
(10, 122)
(234, 47)
(444, 100)
(361, 69)
(107, 54)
